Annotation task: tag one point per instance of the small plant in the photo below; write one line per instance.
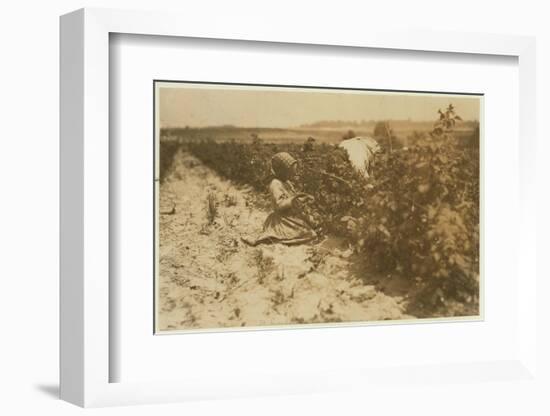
(308, 145)
(349, 135)
(316, 257)
(281, 273)
(446, 122)
(264, 265)
(230, 200)
(385, 135)
(278, 298)
(211, 208)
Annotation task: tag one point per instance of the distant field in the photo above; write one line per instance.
(246, 135)
(329, 135)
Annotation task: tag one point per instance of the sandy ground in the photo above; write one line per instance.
(209, 279)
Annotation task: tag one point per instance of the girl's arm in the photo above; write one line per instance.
(304, 196)
(281, 199)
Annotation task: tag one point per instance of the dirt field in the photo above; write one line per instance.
(209, 279)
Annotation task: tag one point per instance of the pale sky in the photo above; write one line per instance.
(196, 105)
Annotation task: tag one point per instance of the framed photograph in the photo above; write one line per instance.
(285, 206)
(283, 222)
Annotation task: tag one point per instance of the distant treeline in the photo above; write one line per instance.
(396, 124)
(323, 132)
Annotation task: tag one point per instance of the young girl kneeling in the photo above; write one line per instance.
(287, 224)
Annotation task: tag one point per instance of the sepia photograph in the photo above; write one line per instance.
(287, 206)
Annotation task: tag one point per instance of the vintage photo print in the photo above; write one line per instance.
(284, 206)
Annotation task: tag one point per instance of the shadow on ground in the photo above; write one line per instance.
(51, 390)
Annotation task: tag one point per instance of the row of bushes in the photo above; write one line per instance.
(422, 218)
(167, 153)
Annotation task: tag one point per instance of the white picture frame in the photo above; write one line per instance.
(85, 164)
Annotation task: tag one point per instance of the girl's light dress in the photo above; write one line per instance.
(284, 225)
